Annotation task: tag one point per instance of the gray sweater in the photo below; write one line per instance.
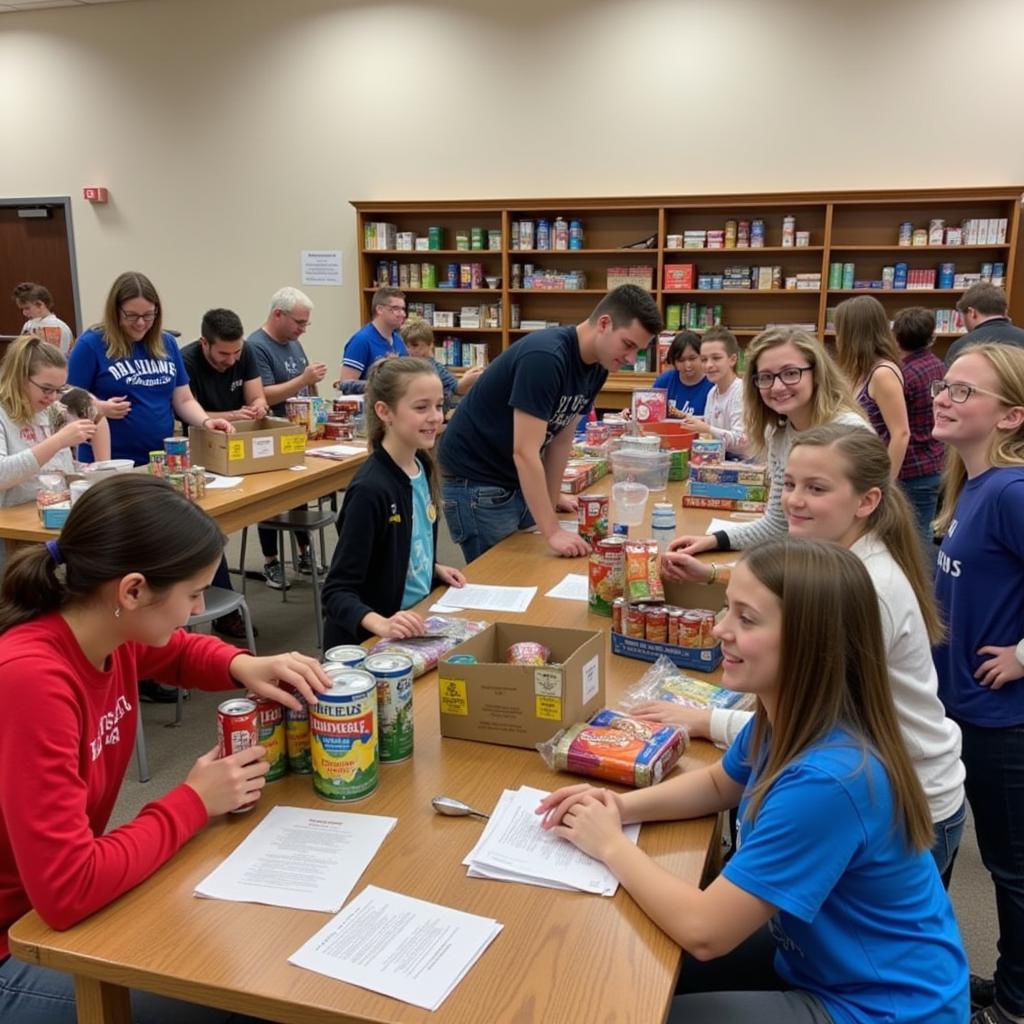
(19, 470)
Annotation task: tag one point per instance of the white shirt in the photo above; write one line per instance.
(932, 739)
(724, 416)
(52, 329)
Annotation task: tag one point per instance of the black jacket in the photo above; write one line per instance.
(997, 329)
(367, 573)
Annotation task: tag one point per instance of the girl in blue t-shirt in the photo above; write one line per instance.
(387, 529)
(833, 826)
(136, 371)
(687, 386)
(979, 413)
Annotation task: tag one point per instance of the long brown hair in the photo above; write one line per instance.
(831, 671)
(127, 523)
(1007, 446)
(24, 357)
(131, 285)
(863, 337)
(387, 382)
(864, 461)
(830, 397)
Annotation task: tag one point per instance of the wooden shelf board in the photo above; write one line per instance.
(423, 253)
(558, 291)
(469, 330)
(745, 251)
(918, 248)
(896, 291)
(740, 291)
(525, 253)
(445, 291)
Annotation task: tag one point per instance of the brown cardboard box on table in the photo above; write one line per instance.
(521, 705)
(256, 446)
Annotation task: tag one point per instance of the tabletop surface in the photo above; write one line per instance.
(560, 956)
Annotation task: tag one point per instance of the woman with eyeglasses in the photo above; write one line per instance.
(979, 414)
(791, 384)
(33, 375)
(136, 371)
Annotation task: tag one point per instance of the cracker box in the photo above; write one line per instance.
(256, 446)
(724, 504)
(737, 492)
(491, 701)
(680, 276)
(730, 473)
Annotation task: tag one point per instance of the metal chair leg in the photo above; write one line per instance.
(241, 557)
(140, 750)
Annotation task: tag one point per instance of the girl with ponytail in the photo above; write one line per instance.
(81, 619)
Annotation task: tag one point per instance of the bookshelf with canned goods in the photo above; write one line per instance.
(486, 272)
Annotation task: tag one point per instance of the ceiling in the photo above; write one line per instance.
(10, 6)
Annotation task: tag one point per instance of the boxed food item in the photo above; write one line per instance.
(650, 405)
(256, 446)
(723, 504)
(730, 473)
(680, 276)
(706, 449)
(579, 474)
(737, 492)
(491, 701)
(616, 747)
(310, 413)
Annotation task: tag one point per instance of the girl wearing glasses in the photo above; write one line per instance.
(136, 371)
(792, 384)
(32, 376)
(979, 414)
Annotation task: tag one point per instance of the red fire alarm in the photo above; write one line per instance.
(94, 194)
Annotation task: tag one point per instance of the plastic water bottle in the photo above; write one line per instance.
(663, 524)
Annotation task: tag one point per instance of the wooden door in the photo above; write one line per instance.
(35, 249)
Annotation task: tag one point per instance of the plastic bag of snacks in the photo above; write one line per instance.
(643, 572)
(53, 489)
(617, 748)
(664, 681)
(444, 633)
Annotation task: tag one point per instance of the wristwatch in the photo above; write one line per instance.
(1020, 652)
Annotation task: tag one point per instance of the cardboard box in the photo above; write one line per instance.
(256, 447)
(521, 705)
(737, 492)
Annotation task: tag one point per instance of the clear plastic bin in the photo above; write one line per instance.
(643, 467)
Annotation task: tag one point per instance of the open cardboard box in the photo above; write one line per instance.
(521, 705)
(256, 446)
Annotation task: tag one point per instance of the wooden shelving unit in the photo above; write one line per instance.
(850, 227)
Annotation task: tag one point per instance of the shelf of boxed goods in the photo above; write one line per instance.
(523, 253)
(895, 291)
(740, 291)
(496, 292)
(911, 249)
(748, 250)
(422, 254)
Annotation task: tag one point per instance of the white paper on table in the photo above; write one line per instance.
(718, 524)
(215, 482)
(514, 847)
(329, 450)
(486, 598)
(573, 587)
(399, 946)
(445, 609)
(300, 858)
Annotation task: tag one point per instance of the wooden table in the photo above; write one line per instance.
(560, 957)
(258, 496)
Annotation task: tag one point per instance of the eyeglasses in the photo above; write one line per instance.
(139, 318)
(959, 393)
(49, 392)
(295, 320)
(396, 309)
(790, 375)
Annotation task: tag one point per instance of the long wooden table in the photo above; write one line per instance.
(560, 957)
(258, 496)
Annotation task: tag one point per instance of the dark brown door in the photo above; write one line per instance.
(35, 249)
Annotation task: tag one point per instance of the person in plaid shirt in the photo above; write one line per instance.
(922, 465)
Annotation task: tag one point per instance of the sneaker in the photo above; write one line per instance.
(152, 692)
(305, 565)
(983, 992)
(233, 625)
(991, 1015)
(273, 576)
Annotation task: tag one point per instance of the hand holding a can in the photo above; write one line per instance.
(268, 677)
(227, 783)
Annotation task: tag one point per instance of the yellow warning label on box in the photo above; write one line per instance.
(549, 707)
(453, 697)
(236, 450)
(292, 443)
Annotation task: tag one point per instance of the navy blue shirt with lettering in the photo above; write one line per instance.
(218, 391)
(147, 382)
(979, 584)
(544, 375)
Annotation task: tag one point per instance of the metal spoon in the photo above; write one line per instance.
(453, 808)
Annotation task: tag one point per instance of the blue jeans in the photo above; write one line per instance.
(37, 995)
(480, 515)
(994, 759)
(947, 841)
(923, 495)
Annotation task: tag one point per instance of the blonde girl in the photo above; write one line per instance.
(838, 487)
(384, 562)
(791, 385)
(979, 583)
(833, 825)
(869, 356)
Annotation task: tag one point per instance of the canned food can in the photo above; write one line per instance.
(158, 463)
(343, 736)
(675, 616)
(296, 736)
(270, 734)
(592, 513)
(656, 625)
(690, 628)
(177, 481)
(349, 655)
(527, 652)
(635, 620)
(462, 659)
(393, 673)
(237, 729)
(618, 607)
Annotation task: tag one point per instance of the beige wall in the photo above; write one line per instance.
(231, 137)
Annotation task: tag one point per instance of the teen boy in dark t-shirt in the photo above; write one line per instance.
(504, 452)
